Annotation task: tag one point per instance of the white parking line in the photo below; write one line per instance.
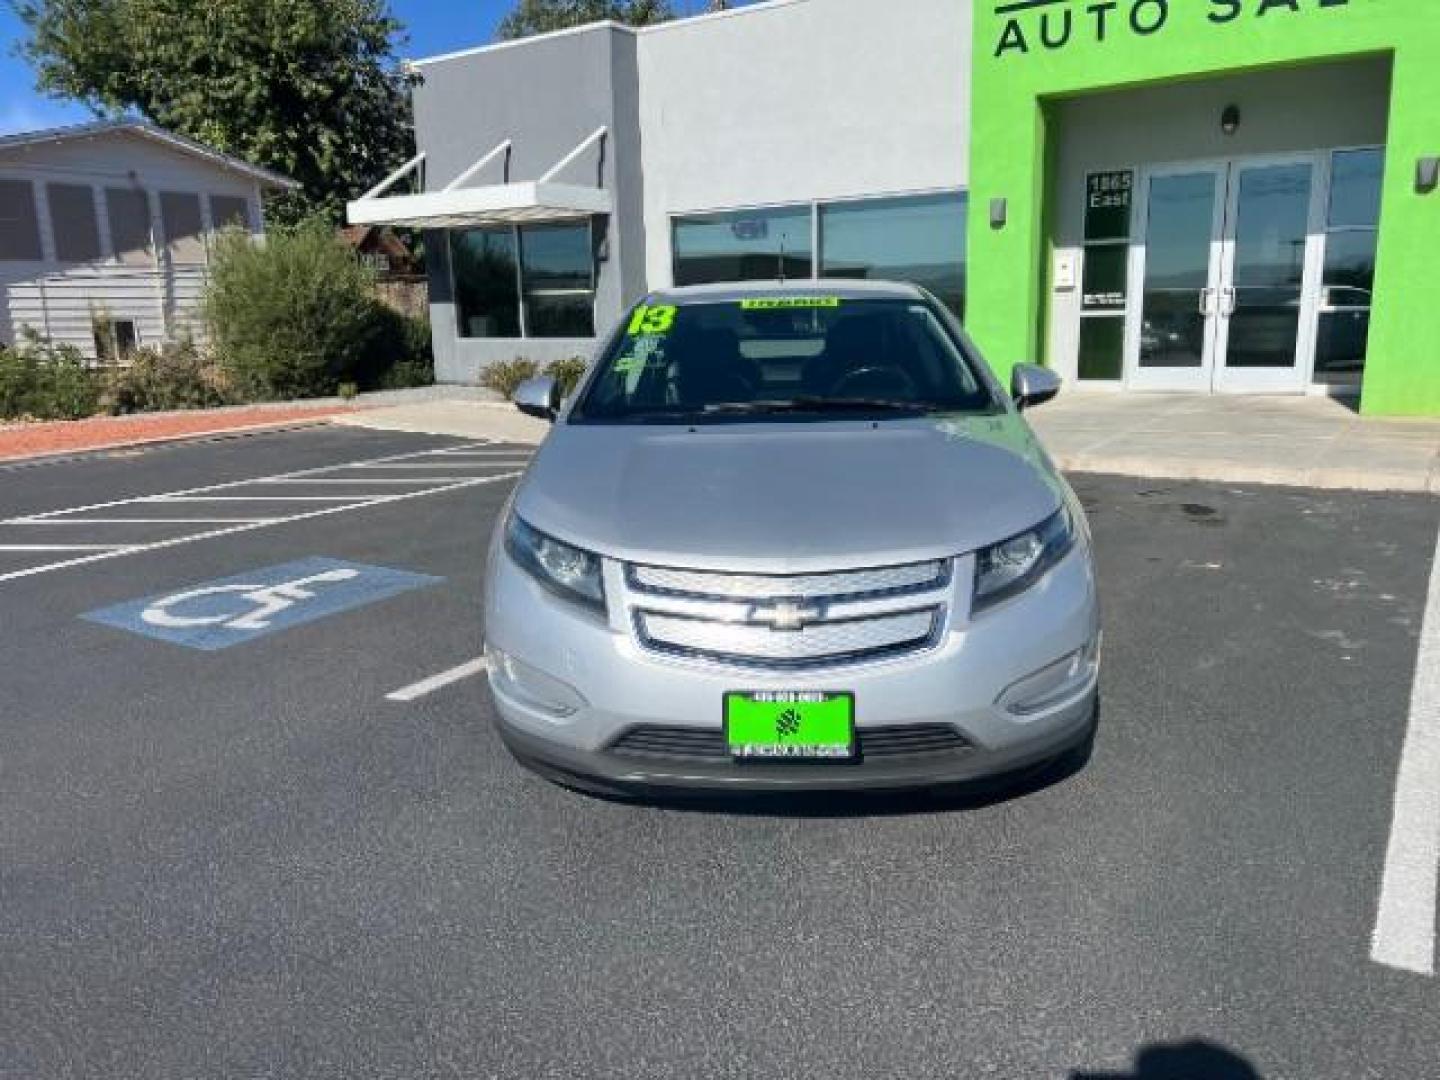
(508, 459)
(1405, 924)
(162, 499)
(64, 547)
(175, 495)
(143, 521)
(372, 480)
(248, 527)
(438, 682)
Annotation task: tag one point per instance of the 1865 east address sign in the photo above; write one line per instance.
(1039, 25)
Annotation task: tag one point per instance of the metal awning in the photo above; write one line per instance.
(458, 206)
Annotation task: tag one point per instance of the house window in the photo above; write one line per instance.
(230, 212)
(115, 340)
(920, 240)
(72, 216)
(128, 212)
(19, 222)
(184, 228)
(533, 281)
(745, 245)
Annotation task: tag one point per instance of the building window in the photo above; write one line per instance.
(230, 212)
(19, 222)
(73, 218)
(534, 281)
(1105, 279)
(745, 245)
(128, 212)
(920, 240)
(184, 228)
(558, 277)
(1351, 234)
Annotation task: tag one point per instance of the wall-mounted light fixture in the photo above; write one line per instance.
(1230, 119)
(999, 211)
(1427, 174)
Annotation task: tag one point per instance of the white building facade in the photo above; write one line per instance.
(106, 231)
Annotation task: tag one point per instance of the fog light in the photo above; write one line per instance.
(532, 688)
(1051, 685)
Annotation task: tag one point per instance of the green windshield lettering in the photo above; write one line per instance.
(781, 303)
(652, 320)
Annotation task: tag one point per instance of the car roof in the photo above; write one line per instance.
(844, 289)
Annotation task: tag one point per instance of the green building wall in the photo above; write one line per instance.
(1154, 41)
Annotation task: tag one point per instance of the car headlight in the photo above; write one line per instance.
(1002, 570)
(567, 571)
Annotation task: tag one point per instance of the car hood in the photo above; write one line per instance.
(790, 497)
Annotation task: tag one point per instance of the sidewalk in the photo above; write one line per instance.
(1293, 441)
(1309, 442)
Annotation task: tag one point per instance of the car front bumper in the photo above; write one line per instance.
(568, 686)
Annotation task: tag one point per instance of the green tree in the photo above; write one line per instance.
(542, 16)
(309, 88)
(297, 315)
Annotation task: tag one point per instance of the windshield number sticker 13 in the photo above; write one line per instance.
(652, 320)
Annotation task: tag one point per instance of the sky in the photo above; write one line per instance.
(433, 26)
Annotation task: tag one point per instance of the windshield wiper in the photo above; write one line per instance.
(807, 404)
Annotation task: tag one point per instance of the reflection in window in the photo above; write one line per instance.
(184, 230)
(229, 212)
(748, 245)
(487, 287)
(73, 218)
(1355, 189)
(19, 222)
(551, 266)
(128, 211)
(918, 240)
(1351, 238)
(559, 279)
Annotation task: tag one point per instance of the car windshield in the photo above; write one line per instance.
(782, 357)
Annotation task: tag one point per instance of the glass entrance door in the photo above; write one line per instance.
(1179, 256)
(1263, 332)
(1228, 265)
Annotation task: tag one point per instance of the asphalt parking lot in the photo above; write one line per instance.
(263, 839)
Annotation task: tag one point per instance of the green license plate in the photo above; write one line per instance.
(790, 725)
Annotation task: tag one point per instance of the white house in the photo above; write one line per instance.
(105, 231)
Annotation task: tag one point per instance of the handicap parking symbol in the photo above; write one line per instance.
(217, 615)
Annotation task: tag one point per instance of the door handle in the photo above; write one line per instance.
(1207, 301)
(1229, 300)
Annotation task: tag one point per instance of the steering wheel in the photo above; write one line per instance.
(892, 382)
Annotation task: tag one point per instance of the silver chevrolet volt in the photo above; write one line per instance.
(791, 538)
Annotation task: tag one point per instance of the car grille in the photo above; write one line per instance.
(785, 622)
(848, 585)
(831, 642)
(708, 744)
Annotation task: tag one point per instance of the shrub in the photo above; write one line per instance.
(178, 376)
(43, 381)
(348, 391)
(297, 315)
(567, 374)
(505, 376)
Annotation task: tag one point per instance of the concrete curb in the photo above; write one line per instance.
(214, 434)
(1324, 479)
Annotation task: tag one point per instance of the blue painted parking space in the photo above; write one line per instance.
(216, 615)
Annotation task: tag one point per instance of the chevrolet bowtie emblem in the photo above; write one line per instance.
(787, 615)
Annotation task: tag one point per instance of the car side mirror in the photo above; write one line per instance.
(1031, 385)
(539, 397)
